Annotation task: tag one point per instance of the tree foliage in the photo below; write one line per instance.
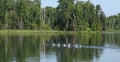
(113, 22)
(20, 14)
(79, 15)
(69, 15)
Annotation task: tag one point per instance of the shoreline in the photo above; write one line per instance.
(53, 31)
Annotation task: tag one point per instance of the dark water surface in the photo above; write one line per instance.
(54, 47)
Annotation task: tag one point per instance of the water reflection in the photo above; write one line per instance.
(73, 54)
(39, 47)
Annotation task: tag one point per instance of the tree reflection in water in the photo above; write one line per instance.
(37, 47)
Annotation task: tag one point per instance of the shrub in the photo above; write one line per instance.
(88, 29)
(45, 27)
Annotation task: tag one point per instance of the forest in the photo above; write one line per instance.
(69, 15)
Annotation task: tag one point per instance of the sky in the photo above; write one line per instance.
(110, 7)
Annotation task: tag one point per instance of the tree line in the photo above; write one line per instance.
(69, 15)
(113, 22)
(19, 14)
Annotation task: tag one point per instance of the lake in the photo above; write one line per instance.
(60, 47)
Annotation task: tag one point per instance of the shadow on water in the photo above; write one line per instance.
(56, 47)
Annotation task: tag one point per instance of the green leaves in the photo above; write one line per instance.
(69, 16)
(79, 16)
(113, 22)
(65, 12)
(19, 14)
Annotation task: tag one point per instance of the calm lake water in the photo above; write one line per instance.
(54, 47)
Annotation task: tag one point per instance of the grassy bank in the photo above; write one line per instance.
(44, 31)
